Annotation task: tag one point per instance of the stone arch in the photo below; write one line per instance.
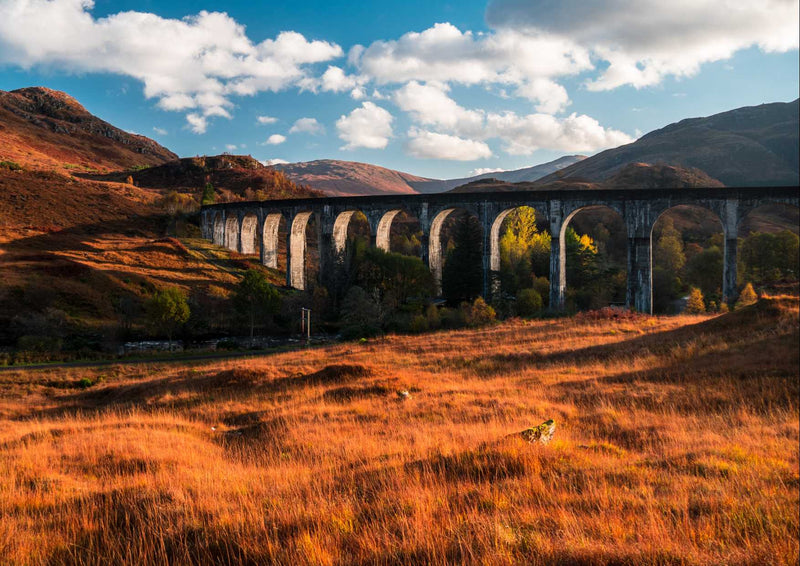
(298, 250)
(270, 239)
(383, 233)
(340, 228)
(218, 230)
(494, 242)
(232, 233)
(392, 219)
(249, 238)
(694, 213)
(435, 255)
(618, 256)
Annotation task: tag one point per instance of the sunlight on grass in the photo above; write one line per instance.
(676, 443)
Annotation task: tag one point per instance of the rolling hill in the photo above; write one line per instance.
(236, 176)
(749, 146)
(40, 127)
(347, 178)
(350, 178)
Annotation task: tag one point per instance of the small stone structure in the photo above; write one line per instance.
(249, 226)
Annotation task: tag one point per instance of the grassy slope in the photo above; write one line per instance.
(677, 443)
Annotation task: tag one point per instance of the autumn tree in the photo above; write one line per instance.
(167, 310)
(255, 298)
(516, 269)
(208, 196)
(695, 304)
(747, 296)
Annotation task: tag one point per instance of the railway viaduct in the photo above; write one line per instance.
(253, 227)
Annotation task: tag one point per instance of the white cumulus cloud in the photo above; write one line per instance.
(307, 126)
(430, 105)
(462, 132)
(266, 120)
(194, 64)
(431, 145)
(642, 41)
(275, 139)
(522, 135)
(275, 161)
(444, 54)
(485, 170)
(367, 126)
(160, 131)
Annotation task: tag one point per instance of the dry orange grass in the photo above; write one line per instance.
(677, 443)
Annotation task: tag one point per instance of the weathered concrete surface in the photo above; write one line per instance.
(232, 225)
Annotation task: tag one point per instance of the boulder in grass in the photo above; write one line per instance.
(542, 433)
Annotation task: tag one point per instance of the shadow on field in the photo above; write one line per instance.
(736, 327)
(761, 377)
(191, 388)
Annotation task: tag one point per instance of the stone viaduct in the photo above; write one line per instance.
(253, 227)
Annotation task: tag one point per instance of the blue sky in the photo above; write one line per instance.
(435, 89)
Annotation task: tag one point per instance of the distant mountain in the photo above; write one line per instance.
(238, 176)
(42, 128)
(349, 178)
(749, 146)
(631, 176)
(344, 178)
(528, 174)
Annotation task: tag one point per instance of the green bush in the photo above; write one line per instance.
(529, 302)
(478, 313)
(10, 165)
(432, 317)
(361, 314)
(419, 324)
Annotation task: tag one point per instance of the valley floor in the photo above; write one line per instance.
(676, 443)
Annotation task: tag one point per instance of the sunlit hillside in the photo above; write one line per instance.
(676, 443)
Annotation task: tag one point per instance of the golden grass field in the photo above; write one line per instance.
(676, 443)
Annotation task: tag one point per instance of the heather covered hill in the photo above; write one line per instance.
(238, 176)
(749, 146)
(349, 178)
(44, 128)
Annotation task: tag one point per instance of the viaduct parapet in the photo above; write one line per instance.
(253, 227)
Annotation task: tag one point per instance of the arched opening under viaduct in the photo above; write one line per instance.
(304, 246)
(443, 240)
(349, 226)
(594, 258)
(274, 240)
(519, 252)
(250, 242)
(399, 232)
(688, 250)
(232, 233)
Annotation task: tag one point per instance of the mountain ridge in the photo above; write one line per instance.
(45, 128)
(348, 178)
(747, 146)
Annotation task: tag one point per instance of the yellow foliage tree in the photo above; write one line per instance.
(747, 297)
(695, 304)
